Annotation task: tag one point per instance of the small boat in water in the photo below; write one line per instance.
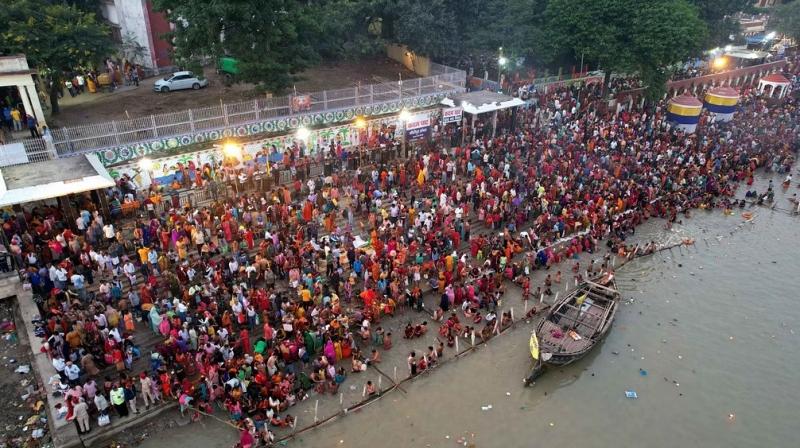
(574, 325)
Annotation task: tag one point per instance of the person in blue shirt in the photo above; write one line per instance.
(7, 121)
(33, 126)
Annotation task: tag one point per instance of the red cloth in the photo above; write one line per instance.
(246, 439)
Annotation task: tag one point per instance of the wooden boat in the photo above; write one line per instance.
(575, 324)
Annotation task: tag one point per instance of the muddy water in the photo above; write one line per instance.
(715, 328)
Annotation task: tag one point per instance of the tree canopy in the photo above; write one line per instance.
(786, 19)
(55, 37)
(626, 36)
(719, 17)
(272, 39)
(275, 40)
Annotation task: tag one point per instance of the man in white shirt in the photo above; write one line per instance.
(61, 278)
(73, 373)
(80, 224)
(59, 365)
(108, 232)
(51, 271)
(130, 271)
(79, 282)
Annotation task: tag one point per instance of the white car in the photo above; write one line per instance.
(179, 81)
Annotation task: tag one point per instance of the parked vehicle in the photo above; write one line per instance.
(228, 69)
(179, 81)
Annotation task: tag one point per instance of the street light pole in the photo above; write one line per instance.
(501, 61)
(403, 118)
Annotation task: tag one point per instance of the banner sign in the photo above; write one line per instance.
(301, 103)
(418, 127)
(452, 115)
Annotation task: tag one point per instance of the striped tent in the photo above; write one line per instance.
(722, 101)
(684, 112)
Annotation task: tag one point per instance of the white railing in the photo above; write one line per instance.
(29, 150)
(99, 136)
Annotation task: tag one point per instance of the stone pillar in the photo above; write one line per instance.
(103, 200)
(37, 107)
(67, 210)
(31, 102)
(23, 93)
(473, 127)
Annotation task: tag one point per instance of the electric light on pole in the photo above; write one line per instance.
(501, 62)
(231, 149)
(403, 117)
(146, 165)
(303, 133)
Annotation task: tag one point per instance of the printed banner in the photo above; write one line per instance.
(418, 127)
(452, 115)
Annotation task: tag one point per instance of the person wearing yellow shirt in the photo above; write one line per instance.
(16, 116)
(144, 251)
(305, 296)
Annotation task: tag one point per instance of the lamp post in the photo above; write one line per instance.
(146, 164)
(403, 118)
(303, 134)
(233, 150)
(501, 62)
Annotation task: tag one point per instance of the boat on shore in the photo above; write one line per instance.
(574, 325)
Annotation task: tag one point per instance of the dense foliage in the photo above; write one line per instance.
(275, 40)
(786, 19)
(56, 37)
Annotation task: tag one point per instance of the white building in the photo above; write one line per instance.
(139, 30)
(15, 74)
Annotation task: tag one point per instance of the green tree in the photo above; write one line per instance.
(786, 19)
(271, 39)
(55, 37)
(429, 27)
(719, 16)
(626, 36)
(348, 29)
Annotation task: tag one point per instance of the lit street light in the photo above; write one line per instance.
(231, 149)
(303, 133)
(501, 62)
(146, 165)
(403, 117)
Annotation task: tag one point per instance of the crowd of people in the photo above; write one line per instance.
(261, 297)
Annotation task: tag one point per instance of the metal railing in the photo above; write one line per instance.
(99, 136)
(28, 150)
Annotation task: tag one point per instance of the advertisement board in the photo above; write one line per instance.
(452, 115)
(418, 127)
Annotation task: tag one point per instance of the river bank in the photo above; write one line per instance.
(687, 304)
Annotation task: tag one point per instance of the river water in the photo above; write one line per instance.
(715, 327)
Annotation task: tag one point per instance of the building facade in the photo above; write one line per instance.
(139, 30)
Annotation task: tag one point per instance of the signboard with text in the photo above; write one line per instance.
(418, 127)
(452, 115)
